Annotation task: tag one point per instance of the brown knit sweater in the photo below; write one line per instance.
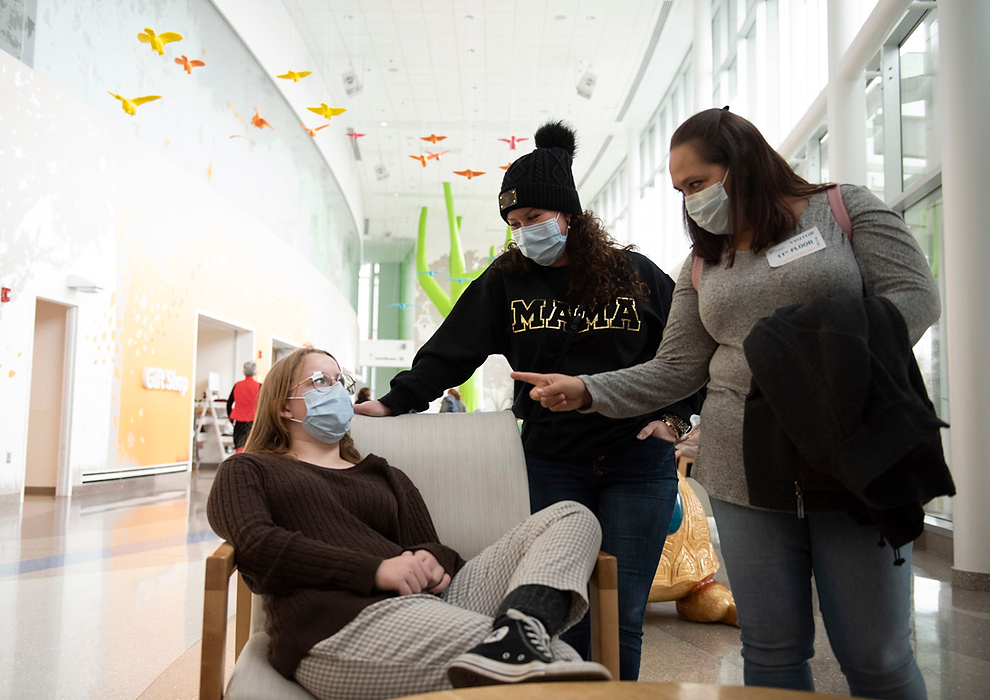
(310, 540)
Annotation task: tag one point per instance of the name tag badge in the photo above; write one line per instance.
(795, 248)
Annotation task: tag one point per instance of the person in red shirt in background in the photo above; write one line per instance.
(241, 405)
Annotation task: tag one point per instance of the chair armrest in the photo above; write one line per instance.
(219, 568)
(604, 601)
(243, 613)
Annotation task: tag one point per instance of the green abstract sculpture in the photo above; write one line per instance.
(471, 390)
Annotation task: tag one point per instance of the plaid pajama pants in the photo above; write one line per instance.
(403, 645)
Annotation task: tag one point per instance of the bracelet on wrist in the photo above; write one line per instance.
(680, 426)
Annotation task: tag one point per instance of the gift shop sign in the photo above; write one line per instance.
(164, 380)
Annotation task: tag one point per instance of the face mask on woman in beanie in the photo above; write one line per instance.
(539, 235)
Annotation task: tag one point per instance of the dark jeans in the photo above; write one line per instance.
(632, 491)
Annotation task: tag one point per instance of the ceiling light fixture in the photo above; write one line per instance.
(351, 83)
(587, 84)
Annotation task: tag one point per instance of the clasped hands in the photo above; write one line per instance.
(412, 572)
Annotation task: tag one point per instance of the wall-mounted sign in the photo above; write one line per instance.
(386, 353)
(164, 380)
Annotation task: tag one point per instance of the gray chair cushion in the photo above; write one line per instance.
(255, 679)
(470, 468)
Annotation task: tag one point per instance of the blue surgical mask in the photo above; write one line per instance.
(710, 208)
(328, 414)
(543, 243)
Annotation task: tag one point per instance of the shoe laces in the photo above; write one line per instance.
(535, 632)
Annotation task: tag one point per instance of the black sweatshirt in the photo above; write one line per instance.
(525, 319)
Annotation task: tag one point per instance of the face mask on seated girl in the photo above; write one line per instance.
(328, 409)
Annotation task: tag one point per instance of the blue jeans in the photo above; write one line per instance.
(865, 600)
(632, 491)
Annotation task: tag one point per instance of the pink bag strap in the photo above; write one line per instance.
(839, 213)
(696, 271)
(839, 210)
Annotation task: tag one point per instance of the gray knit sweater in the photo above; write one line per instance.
(704, 337)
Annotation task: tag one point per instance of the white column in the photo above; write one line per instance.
(964, 54)
(846, 98)
(639, 233)
(701, 57)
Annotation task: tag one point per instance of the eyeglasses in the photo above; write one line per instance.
(323, 382)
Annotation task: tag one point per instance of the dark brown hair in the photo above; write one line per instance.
(759, 182)
(269, 433)
(598, 270)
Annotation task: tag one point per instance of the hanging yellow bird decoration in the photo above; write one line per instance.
(158, 41)
(325, 111)
(294, 76)
(130, 105)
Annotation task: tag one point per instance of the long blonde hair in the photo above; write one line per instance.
(269, 433)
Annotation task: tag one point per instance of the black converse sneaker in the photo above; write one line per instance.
(518, 652)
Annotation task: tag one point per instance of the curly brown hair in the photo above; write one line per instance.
(598, 270)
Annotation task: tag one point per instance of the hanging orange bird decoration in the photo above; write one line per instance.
(259, 122)
(312, 132)
(188, 65)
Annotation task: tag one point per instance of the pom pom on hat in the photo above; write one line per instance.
(556, 135)
(543, 178)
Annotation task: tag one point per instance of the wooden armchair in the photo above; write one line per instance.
(477, 458)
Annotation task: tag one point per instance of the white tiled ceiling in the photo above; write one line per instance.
(474, 71)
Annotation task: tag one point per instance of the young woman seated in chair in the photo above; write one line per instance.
(363, 601)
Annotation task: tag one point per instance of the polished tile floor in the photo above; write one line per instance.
(101, 597)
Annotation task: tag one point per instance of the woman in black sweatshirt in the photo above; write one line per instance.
(565, 298)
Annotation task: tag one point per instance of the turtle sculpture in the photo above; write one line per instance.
(688, 564)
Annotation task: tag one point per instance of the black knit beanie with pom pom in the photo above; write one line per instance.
(543, 178)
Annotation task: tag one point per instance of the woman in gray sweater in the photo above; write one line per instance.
(742, 203)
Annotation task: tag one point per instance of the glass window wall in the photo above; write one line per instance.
(924, 218)
(919, 116)
(875, 136)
